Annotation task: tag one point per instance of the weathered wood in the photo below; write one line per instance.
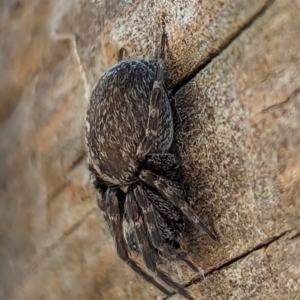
(235, 67)
(271, 272)
(238, 121)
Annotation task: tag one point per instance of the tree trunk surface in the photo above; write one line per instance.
(234, 68)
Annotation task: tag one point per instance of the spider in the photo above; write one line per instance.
(129, 131)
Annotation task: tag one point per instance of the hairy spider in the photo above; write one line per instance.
(129, 135)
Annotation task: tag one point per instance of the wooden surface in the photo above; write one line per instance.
(235, 69)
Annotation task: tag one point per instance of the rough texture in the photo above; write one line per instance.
(245, 158)
(237, 120)
(202, 30)
(272, 272)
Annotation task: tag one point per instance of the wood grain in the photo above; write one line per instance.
(234, 69)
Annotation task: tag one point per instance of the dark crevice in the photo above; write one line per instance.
(294, 236)
(243, 255)
(235, 259)
(77, 161)
(213, 55)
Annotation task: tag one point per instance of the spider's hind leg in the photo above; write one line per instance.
(173, 192)
(148, 252)
(115, 218)
(159, 230)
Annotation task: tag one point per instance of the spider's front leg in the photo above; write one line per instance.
(173, 192)
(115, 221)
(147, 251)
(156, 94)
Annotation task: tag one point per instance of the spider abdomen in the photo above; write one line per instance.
(117, 119)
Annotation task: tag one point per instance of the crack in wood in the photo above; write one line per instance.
(79, 160)
(31, 270)
(223, 47)
(294, 236)
(60, 240)
(260, 246)
(243, 255)
(282, 103)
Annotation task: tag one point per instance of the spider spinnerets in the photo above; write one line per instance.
(129, 130)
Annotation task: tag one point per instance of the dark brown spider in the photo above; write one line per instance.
(129, 135)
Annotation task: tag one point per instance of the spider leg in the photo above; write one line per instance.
(166, 164)
(171, 234)
(115, 217)
(163, 206)
(100, 197)
(153, 228)
(156, 94)
(173, 192)
(146, 249)
(122, 53)
(169, 229)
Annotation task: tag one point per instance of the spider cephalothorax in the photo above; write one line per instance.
(129, 135)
